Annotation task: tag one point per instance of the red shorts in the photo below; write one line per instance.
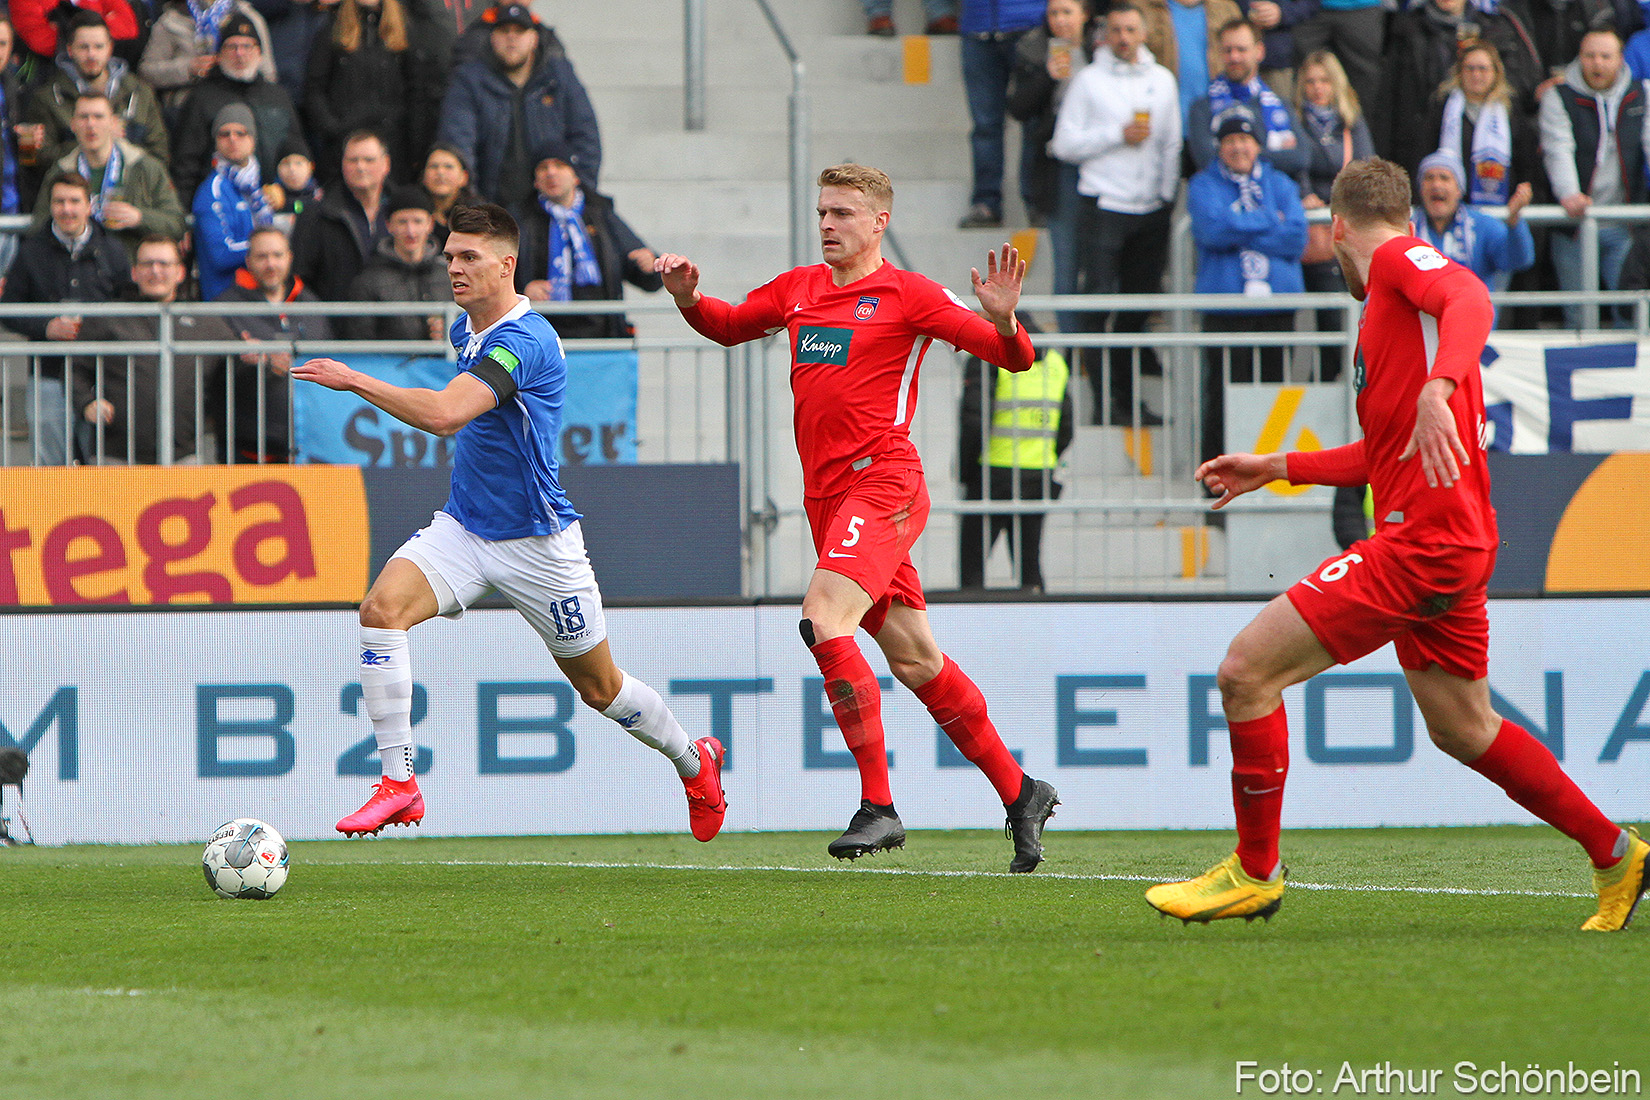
(1428, 601)
(866, 534)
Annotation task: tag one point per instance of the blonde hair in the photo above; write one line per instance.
(1371, 192)
(873, 183)
(1500, 91)
(1342, 94)
(392, 26)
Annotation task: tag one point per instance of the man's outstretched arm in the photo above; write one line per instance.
(1345, 465)
(439, 412)
(1236, 474)
(712, 318)
(1233, 475)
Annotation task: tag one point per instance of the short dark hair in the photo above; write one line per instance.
(74, 179)
(1123, 7)
(1233, 24)
(486, 219)
(362, 135)
(104, 96)
(1372, 192)
(159, 238)
(82, 19)
(1606, 28)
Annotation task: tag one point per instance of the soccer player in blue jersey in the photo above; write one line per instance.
(507, 526)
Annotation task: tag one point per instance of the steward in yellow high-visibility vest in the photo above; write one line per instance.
(1026, 415)
(1011, 438)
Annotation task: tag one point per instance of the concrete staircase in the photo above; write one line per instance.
(721, 195)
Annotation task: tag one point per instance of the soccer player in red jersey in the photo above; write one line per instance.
(1418, 582)
(858, 329)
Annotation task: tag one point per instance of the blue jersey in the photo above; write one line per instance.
(504, 470)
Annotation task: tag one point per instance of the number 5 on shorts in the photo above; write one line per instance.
(853, 530)
(1337, 569)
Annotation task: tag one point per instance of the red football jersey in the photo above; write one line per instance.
(1425, 316)
(855, 354)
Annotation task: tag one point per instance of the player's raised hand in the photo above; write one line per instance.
(1435, 437)
(1233, 475)
(325, 372)
(681, 277)
(999, 291)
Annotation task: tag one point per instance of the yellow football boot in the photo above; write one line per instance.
(1222, 891)
(1619, 888)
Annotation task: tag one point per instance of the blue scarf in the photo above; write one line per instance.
(1260, 101)
(112, 173)
(248, 183)
(1325, 116)
(572, 259)
(209, 21)
(1489, 162)
(1458, 241)
(1256, 266)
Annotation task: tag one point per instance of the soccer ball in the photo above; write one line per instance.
(245, 859)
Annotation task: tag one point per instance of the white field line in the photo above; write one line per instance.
(1294, 883)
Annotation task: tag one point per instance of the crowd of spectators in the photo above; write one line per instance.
(347, 130)
(318, 147)
(1487, 103)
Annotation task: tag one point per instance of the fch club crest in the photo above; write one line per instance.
(867, 308)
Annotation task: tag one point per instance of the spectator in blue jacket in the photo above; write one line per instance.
(1637, 52)
(1494, 249)
(1250, 230)
(505, 112)
(231, 202)
(991, 31)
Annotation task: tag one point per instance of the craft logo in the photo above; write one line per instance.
(867, 308)
(823, 345)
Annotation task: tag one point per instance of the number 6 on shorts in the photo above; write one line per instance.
(1337, 569)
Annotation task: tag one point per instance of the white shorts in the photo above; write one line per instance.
(545, 577)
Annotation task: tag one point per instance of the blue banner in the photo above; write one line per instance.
(598, 417)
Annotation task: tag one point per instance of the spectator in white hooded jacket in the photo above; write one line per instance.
(1120, 124)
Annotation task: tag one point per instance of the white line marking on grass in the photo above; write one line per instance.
(602, 865)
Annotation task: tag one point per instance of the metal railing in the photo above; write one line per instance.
(800, 171)
(1182, 271)
(1130, 519)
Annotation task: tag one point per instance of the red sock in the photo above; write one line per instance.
(957, 705)
(1260, 763)
(856, 701)
(1532, 777)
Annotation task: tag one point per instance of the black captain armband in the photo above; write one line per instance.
(498, 369)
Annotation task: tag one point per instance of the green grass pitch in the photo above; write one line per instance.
(754, 967)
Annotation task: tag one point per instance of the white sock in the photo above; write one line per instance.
(386, 685)
(641, 711)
